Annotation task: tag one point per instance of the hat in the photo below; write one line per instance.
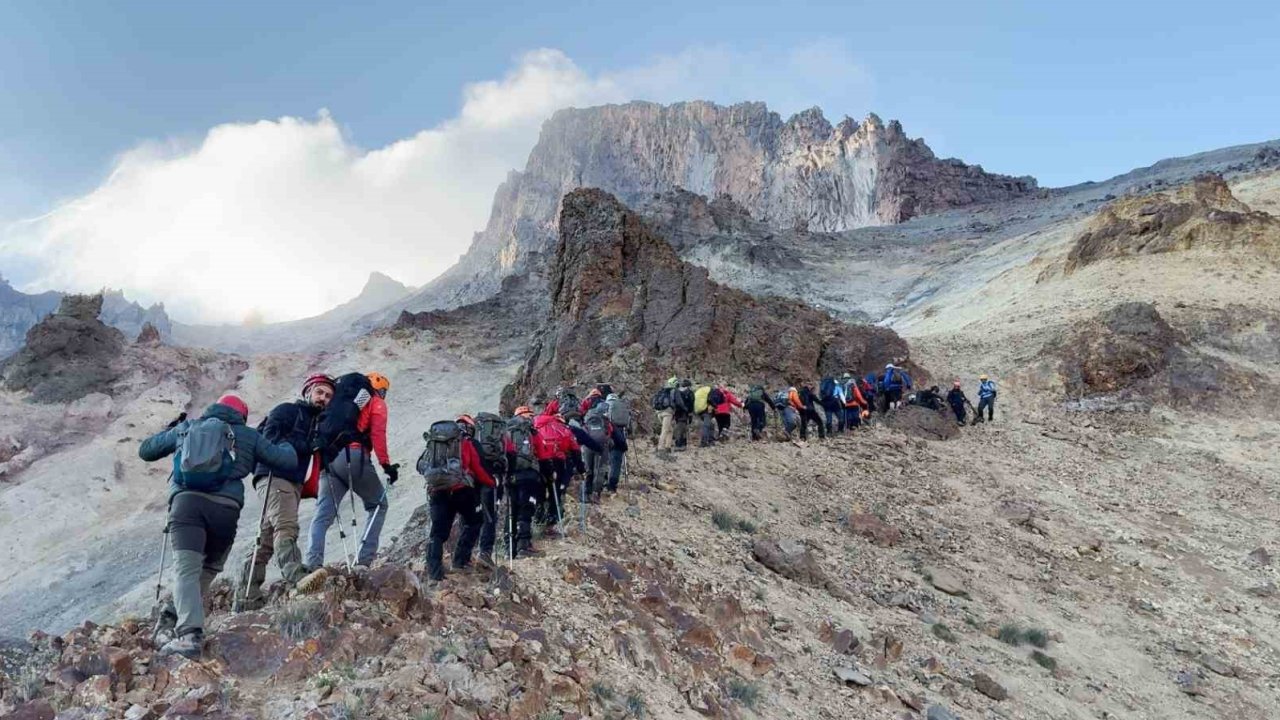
(889, 366)
(314, 380)
(523, 410)
(845, 376)
(982, 377)
(235, 403)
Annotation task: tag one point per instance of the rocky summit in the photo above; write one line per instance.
(802, 172)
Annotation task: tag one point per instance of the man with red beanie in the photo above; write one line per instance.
(211, 458)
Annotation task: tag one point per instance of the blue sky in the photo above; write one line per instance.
(1063, 91)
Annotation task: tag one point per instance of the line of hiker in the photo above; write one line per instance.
(525, 464)
(322, 445)
(839, 405)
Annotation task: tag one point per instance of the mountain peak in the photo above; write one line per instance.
(381, 283)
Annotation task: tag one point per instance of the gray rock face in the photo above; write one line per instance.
(797, 173)
(19, 312)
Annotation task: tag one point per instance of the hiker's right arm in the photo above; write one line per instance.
(279, 456)
(160, 445)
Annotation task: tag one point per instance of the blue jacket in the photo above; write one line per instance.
(895, 379)
(986, 389)
(251, 448)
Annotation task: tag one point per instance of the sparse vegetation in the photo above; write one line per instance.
(551, 715)
(428, 714)
(747, 693)
(944, 633)
(635, 705)
(1044, 661)
(728, 522)
(448, 650)
(300, 619)
(602, 692)
(1013, 634)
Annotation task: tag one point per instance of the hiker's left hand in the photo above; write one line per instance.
(392, 472)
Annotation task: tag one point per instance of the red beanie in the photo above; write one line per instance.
(235, 403)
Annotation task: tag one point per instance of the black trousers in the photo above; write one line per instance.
(445, 506)
(756, 411)
(526, 489)
(810, 415)
(990, 404)
(958, 409)
(489, 503)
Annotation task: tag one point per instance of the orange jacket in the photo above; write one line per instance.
(856, 399)
(793, 397)
(373, 421)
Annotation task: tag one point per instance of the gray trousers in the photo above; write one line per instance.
(349, 472)
(203, 528)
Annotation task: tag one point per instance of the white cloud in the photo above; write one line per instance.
(286, 217)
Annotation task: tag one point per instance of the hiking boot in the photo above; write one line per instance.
(485, 563)
(525, 548)
(552, 532)
(189, 646)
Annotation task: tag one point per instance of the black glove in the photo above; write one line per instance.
(182, 417)
(392, 472)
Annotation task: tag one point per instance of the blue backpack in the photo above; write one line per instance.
(205, 455)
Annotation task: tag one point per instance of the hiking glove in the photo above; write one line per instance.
(182, 416)
(392, 472)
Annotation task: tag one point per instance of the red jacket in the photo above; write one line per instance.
(373, 421)
(730, 402)
(590, 401)
(472, 465)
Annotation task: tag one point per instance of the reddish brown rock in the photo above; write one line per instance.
(874, 529)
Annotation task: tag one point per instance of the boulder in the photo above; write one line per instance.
(921, 422)
(874, 529)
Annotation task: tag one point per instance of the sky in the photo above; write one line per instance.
(260, 159)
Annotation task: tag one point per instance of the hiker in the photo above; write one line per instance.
(598, 433)
(987, 397)
(930, 397)
(723, 409)
(664, 401)
(786, 404)
(352, 432)
(556, 468)
(490, 438)
(809, 403)
(757, 402)
(854, 403)
(212, 456)
(683, 411)
(957, 400)
(891, 385)
(868, 387)
(831, 398)
(704, 401)
(525, 457)
(593, 398)
(619, 409)
(282, 492)
(452, 467)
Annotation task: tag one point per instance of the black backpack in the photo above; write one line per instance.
(441, 462)
(569, 403)
(662, 399)
(715, 398)
(336, 427)
(520, 429)
(490, 430)
(596, 423)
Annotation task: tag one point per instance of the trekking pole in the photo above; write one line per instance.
(555, 497)
(253, 553)
(164, 547)
(372, 517)
(337, 514)
(582, 504)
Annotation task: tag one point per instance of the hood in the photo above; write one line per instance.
(224, 413)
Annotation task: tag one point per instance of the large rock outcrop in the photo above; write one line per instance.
(19, 312)
(802, 172)
(68, 354)
(626, 308)
(1200, 214)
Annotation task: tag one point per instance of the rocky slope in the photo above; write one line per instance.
(19, 312)
(802, 172)
(625, 309)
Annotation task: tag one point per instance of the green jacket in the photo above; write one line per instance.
(251, 449)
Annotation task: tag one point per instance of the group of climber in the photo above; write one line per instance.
(838, 405)
(526, 464)
(321, 445)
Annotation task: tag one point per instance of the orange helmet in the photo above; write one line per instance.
(466, 420)
(524, 410)
(379, 381)
(866, 414)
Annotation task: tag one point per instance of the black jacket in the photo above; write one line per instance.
(809, 398)
(294, 423)
(956, 397)
(683, 401)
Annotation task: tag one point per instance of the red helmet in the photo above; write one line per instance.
(235, 403)
(314, 380)
(466, 420)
